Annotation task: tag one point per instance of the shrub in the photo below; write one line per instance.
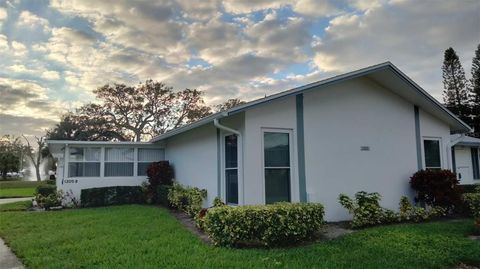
(218, 202)
(408, 212)
(473, 202)
(366, 209)
(270, 225)
(186, 199)
(51, 200)
(436, 188)
(470, 188)
(45, 189)
(162, 195)
(117, 195)
(158, 173)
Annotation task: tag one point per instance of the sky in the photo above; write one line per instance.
(54, 53)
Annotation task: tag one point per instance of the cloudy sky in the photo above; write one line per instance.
(54, 53)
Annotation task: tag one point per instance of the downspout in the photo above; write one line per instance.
(218, 125)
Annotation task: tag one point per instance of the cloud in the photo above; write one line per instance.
(409, 33)
(29, 126)
(3, 14)
(19, 49)
(29, 19)
(50, 75)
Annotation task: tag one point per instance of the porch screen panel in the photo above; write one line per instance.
(146, 157)
(84, 162)
(277, 167)
(119, 162)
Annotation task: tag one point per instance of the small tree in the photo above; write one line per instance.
(9, 162)
(36, 157)
(475, 92)
(436, 188)
(159, 174)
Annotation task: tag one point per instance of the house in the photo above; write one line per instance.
(465, 158)
(369, 130)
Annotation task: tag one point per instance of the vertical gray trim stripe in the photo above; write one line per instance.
(454, 161)
(219, 168)
(301, 149)
(418, 138)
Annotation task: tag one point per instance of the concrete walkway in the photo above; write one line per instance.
(12, 200)
(8, 260)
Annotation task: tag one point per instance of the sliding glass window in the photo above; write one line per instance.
(119, 162)
(231, 169)
(277, 166)
(84, 162)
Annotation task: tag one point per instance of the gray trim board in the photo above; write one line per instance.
(454, 161)
(219, 164)
(301, 148)
(418, 138)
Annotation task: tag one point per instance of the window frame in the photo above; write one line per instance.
(439, 139)
(133, 162)
(69, 161)
(291, 161)
(224, 167)
(138, 162)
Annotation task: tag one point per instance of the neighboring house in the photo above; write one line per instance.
(369, 130)
(465, 158)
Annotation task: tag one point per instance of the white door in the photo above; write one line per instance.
(463, 161)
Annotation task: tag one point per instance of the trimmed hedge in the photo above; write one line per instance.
(270, 225)
(46, 189)
(117, 195)
(187, 199)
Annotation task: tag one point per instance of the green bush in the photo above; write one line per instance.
(45, 189)
(218, 202)
(186, 199)
(270, 225)
(366, 209)
(408, 212)
(470, 188)
(473, 202)
(162, 194)
(117, 195)
(51, 200)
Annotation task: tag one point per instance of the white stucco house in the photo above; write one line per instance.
(465, 159)
(369, 130)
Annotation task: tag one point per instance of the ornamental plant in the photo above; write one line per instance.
(436, 188)
(158, 174)
(187, 199)
(268, 225)
(473, 202)
(408, 212)
(366, 209)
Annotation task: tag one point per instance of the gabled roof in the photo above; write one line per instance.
(386, 74)
(465, 141)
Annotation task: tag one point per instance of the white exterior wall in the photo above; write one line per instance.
(339, 121)
(464, 166)
(276, 114)
(193, 156)
(431, 127)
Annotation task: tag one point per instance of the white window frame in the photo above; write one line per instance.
(440, 145)
(137, 162)
(291, 140)
(134, 161)
(83, 161)
(224, 168)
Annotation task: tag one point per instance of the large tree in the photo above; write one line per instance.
(475, 92)
(229, 104)
(132, 113)
(37, 156)
(12, 154)
(455, 95)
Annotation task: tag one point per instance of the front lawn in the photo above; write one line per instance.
(136, 236)
(18, 188)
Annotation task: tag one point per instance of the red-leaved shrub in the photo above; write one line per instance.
(436, 188)
(159, 174)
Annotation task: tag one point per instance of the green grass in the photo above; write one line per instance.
(137, 236)
(18, 188)
(16, 206)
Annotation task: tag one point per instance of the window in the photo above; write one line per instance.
(119, 162)
(277, 166)
(431, 149)
(231, 168)
(475, 164)
(84, 162)
(146, 157)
